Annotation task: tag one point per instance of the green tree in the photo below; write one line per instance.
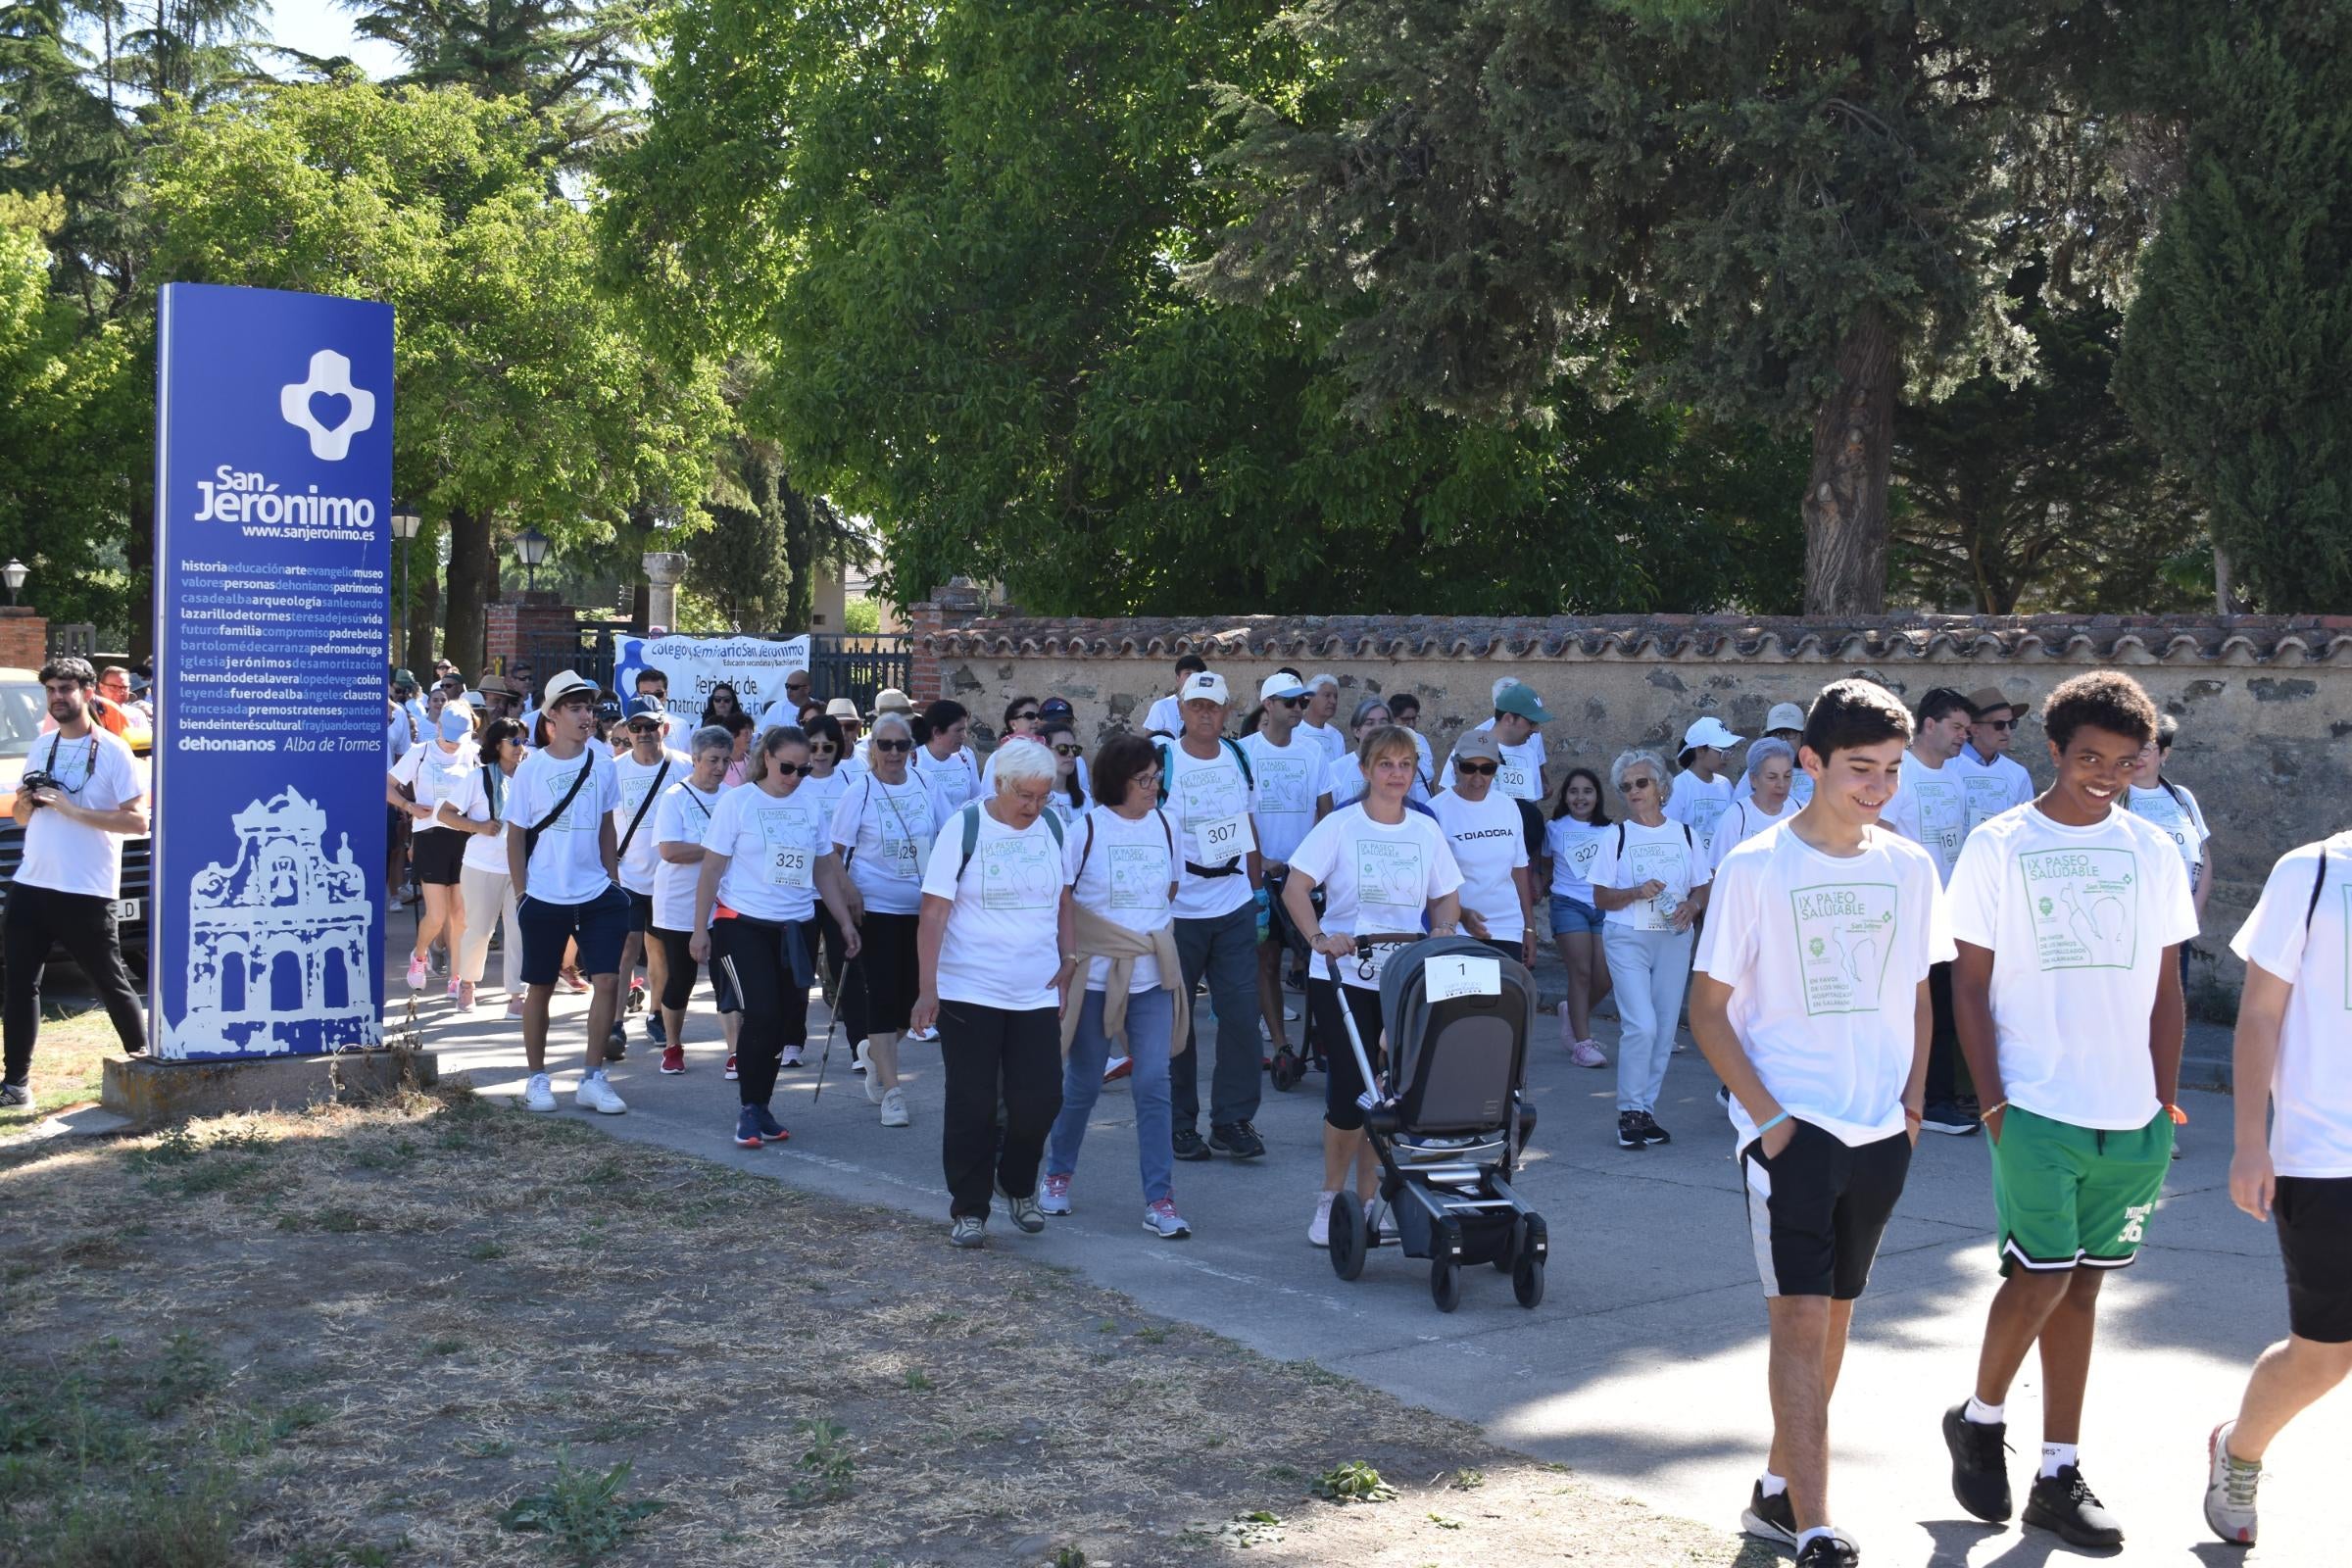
(2234, 346)
(1779, 211)
(522, 395)
(954, 233)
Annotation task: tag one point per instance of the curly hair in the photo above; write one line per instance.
(2103, 699)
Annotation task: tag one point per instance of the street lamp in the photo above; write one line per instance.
(530, 547)
(404, 523)
(14, 574)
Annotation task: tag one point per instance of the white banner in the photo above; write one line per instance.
(753, 666)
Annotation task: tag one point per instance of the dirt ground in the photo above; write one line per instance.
(65, 1067)
(441, 1331)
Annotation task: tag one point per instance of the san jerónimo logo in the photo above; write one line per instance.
(249, 496)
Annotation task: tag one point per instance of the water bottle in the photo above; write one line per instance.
(1265, 913)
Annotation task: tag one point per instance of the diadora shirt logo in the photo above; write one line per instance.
(327, 407)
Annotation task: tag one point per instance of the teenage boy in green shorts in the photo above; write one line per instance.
(2067, 993)
(1811, 1001)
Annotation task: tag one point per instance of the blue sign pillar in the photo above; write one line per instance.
(272, 554)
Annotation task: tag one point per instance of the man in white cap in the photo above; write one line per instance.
(1785, 722)
(1995, 780)
(1208, 789)
(1166, 716)
(1518, 713)
(1702, 790)
(1293, 780)
(1322, 702)
(647, 769)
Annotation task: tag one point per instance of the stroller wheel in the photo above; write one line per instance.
(1445, 1284)
(1348, 1238)
(1527, 1281)
(1286, 1069)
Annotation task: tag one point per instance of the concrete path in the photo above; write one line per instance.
(1645, 1366)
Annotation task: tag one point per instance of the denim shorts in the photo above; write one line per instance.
(1573, 915)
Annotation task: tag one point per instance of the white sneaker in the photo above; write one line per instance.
(2230, 1488)
(873, 1088)
(790, 1057)
(596, 1093)
(893, 1107)
(539, 1094)
(1318, 1229)
(1289, 1016)
(926, 1036)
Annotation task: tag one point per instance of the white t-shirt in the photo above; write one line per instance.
(567, 864)
(680, 816)
(1333, 739)
(1632, 854)
(1800, 787)
(1744, 820)
(98, 772)
(640, 860)
(1290, 779)
(2182, 819)
(1992, 786)
(395, 740)
(773, 843)
(433, 775)
(1166, 716)
(1003, 944)
(1123, 876)
(1375, 877)
(1573, 847)
(826, 792)
(2078, 921)
(956, 776)
(1931, 809)
(1210, 801)
(1824, 954)
(1521, 775)
(1489, 844)
(1699, 803)
(2311, 1086)
(888, 830)
(473, 797)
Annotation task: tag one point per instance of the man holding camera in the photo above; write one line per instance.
(82, 794)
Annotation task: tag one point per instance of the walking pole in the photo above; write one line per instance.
(832, 1018)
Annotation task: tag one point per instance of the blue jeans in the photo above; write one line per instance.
(1223, 946)
(1150, 1031)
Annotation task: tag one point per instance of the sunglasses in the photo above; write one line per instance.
(822, 748)
(1475, 770)
(1631, 784)
(1294, 704)
(645, 727)
(894, 746)
(2000, 723)
(789, 769)
(1031, 715)
(1069, 751)
(796, 685)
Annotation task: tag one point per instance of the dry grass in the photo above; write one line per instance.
(359, 1337)
(65, 1067)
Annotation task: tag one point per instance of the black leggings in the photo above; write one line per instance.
(83, 924)
(1341, 1082)
(677, 988)
(991, 1056)
(768, 964)
(886, 973)
(849, 1004)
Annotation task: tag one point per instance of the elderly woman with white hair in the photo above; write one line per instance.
(883, 828)
(995, 955)
(1650, 880)
(1770, 776)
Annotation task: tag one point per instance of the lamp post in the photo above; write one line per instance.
(530, 547)
(404, 523)
(14, 574)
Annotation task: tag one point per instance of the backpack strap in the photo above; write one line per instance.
(2319, 880)
(1085, 851)
(651, 793)
(2173, 789)
(531, 835)
(972, 833)
(1240, 759)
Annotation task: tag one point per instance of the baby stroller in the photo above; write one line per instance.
(1449, 1122)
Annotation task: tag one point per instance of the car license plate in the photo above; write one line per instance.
(129, 909)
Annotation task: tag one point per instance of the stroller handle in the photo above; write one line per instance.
(1370, 1098)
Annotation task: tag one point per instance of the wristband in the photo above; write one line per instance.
(1770, 1125)
(1910, 1116)
(1990, 1109)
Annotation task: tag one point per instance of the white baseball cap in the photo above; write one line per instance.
(1783, 715)
(1203, 685)
(1278, 685)
(1710, 731)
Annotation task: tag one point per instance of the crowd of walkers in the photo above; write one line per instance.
(1879, 923)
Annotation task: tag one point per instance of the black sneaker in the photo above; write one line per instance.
(2064, 1503)
(1772, 1518)
(1628, 1130)
(1237, 1139)
(1833, 1550)
(617, 1041)
(1189, 1145)
(654, 1027)
(1979, 1464)
(1652, 1132)
(1949, 1117)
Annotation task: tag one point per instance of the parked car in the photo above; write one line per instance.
(22, 707)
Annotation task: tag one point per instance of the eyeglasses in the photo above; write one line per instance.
(1069, 751)
(1475, 770)
(789, 769)
(1632, 784)
(894, 746)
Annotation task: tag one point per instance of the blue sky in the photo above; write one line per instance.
(322, 28)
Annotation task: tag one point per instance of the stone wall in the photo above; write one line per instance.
(2265, 704)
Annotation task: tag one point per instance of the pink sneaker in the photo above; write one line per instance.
(419, 976)
(1586, 1054)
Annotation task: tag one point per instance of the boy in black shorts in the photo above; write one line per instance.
(2291, 1023)
(1810, 998)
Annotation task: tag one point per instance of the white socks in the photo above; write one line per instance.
(1773, 1485)
(1806, 1538)
(1983, 1414)
(2055, 1456)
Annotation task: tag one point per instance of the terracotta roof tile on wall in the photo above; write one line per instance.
(2282, 640)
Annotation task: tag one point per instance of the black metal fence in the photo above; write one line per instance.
(858, 667)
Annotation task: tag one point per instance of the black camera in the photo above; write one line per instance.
(34, 779)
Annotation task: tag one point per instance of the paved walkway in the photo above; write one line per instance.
(1645, 1366)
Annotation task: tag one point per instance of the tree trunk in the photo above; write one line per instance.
(472, 577)
(139, 553)
(2224, 603)
(1845, 495)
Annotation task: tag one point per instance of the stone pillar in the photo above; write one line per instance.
(952, 605)
(665, 569)
(516, 620)
(24, 637)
